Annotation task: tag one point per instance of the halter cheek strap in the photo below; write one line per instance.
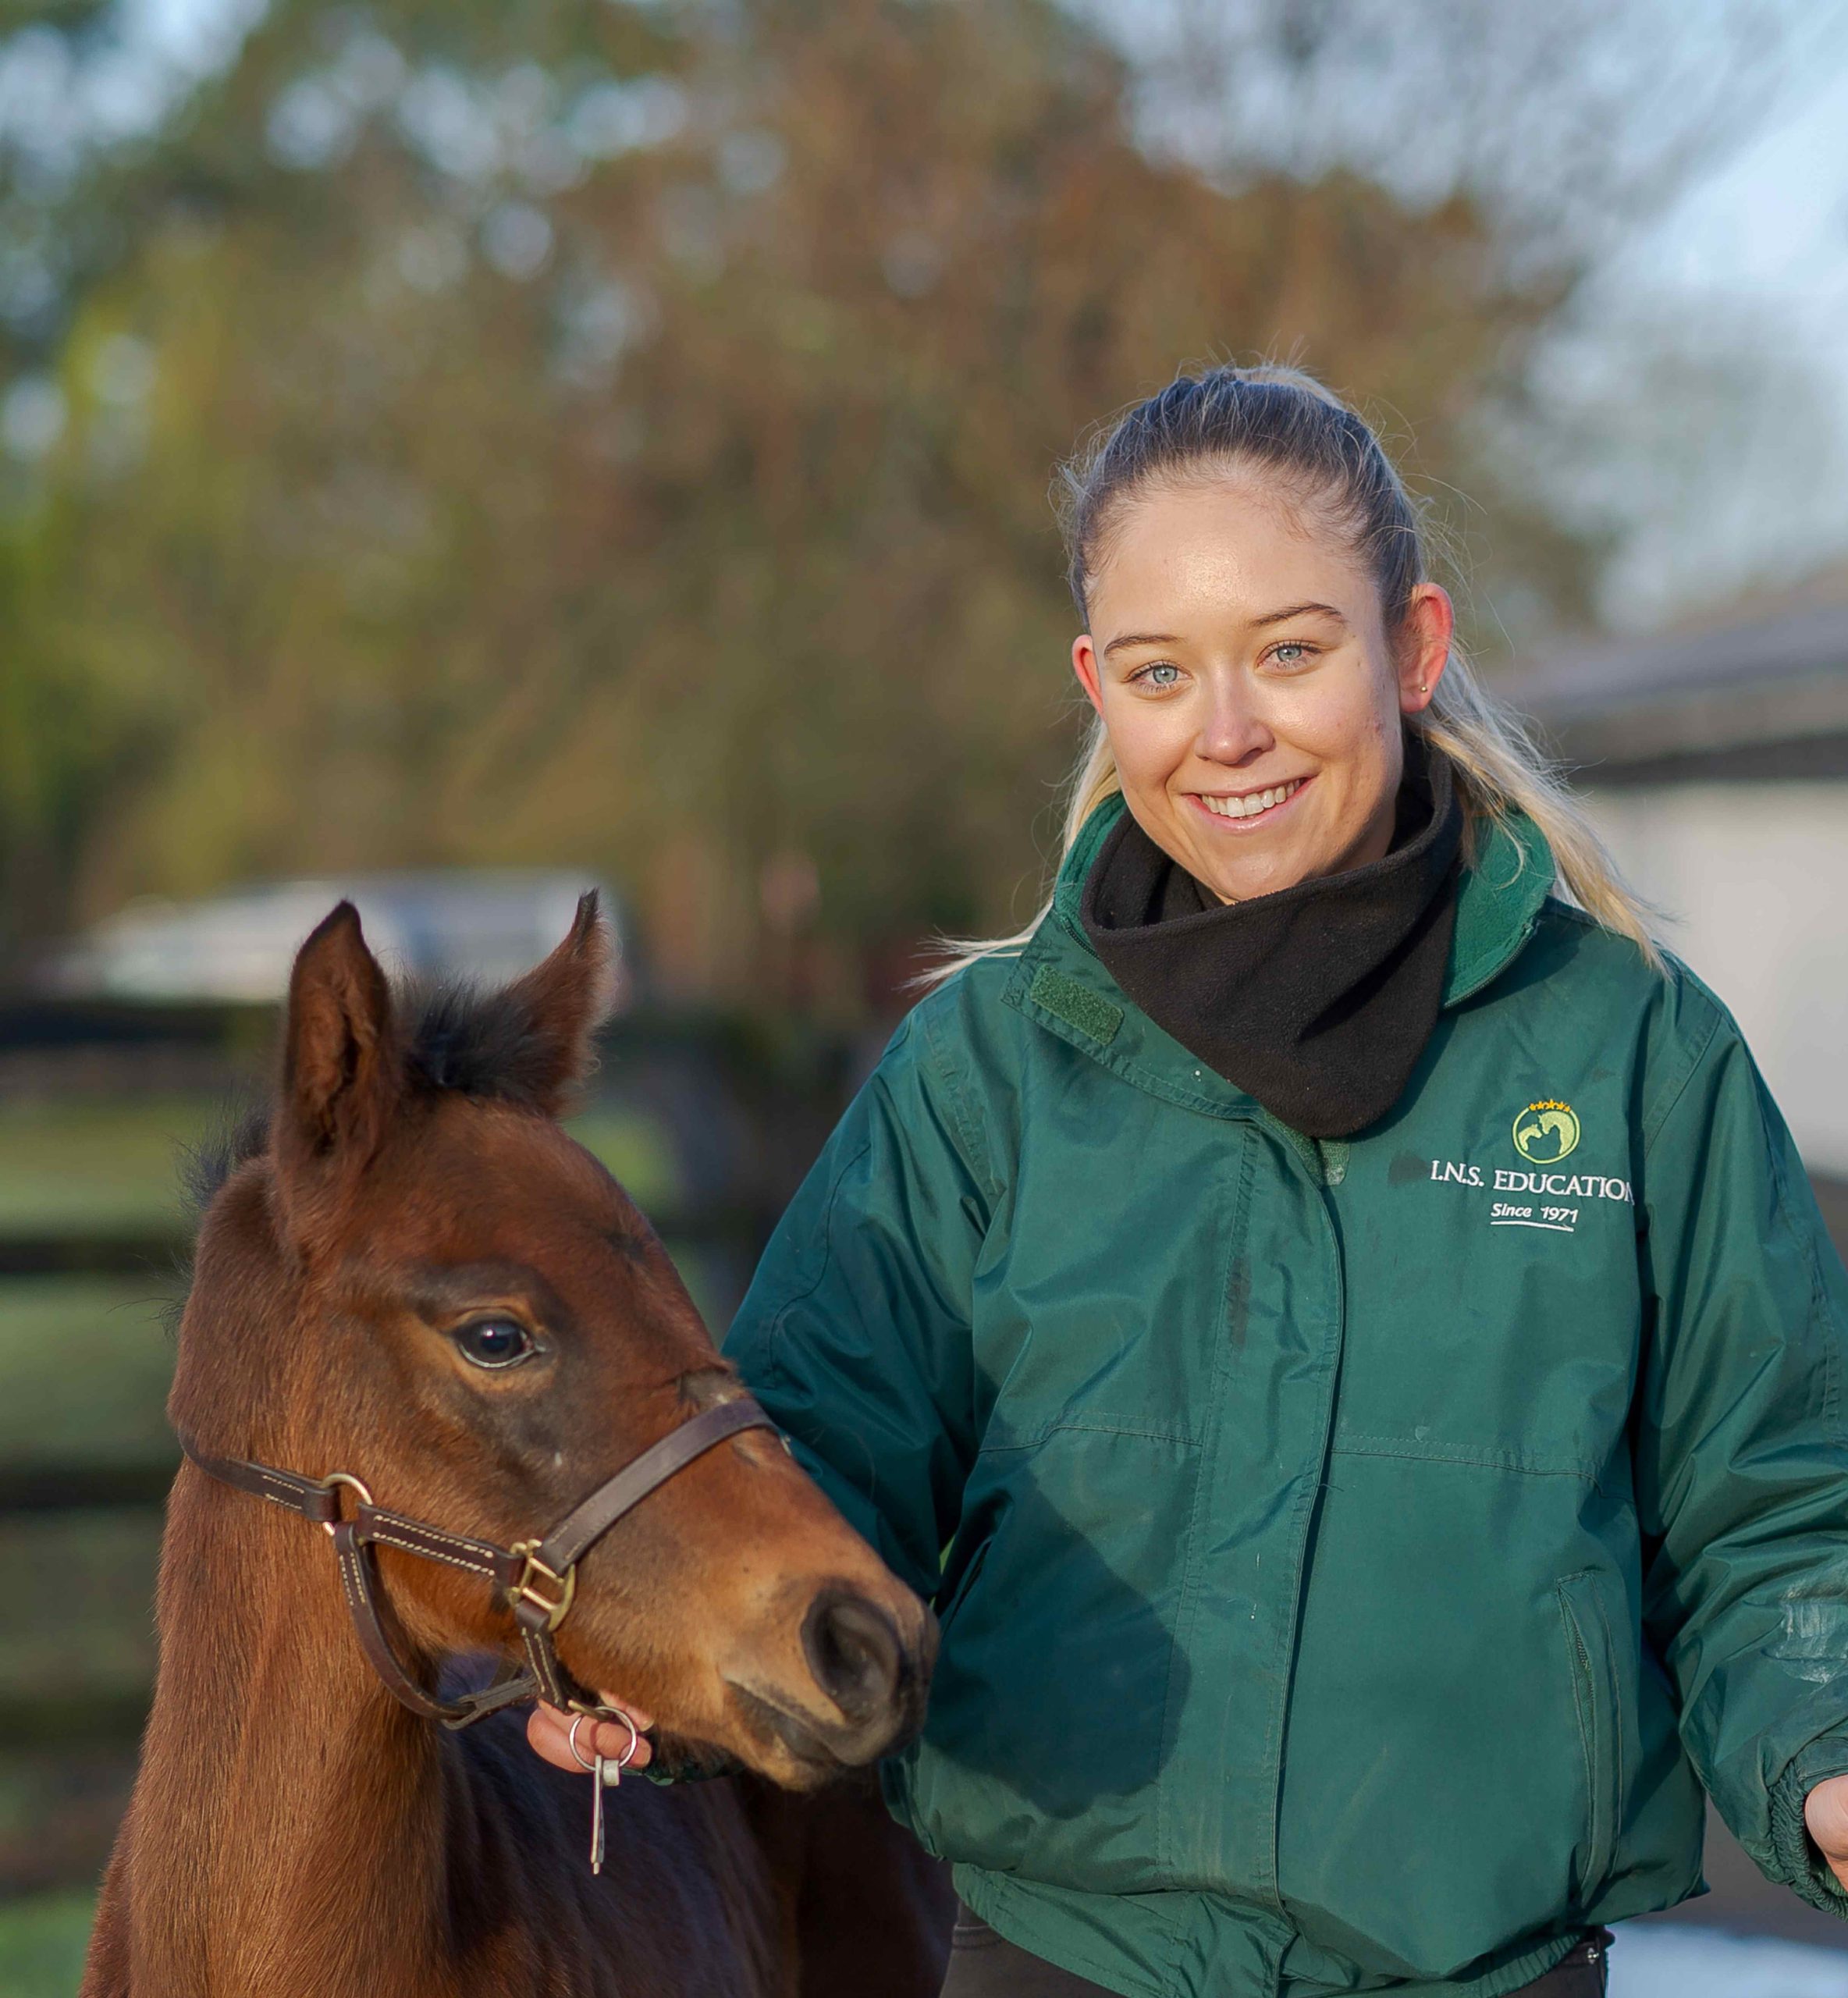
(538, 1578)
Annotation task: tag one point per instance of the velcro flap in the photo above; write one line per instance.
(1077, 1005)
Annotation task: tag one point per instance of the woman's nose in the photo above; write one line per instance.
(1232, 730)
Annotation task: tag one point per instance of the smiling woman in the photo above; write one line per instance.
(1346, 1590)
(1245, 559)
(1305, 759)
(1356, 1544)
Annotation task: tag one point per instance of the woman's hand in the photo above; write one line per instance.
(549, 1732)
(1825, 1812)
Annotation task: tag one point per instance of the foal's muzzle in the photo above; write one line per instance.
(868, 1671)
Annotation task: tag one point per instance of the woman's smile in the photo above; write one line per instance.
(1247, 812)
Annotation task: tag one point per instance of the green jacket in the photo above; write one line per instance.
(1352, 1558)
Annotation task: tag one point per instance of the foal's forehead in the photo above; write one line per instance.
(512, 1159)
(484, 1188)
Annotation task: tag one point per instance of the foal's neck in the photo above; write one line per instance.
(294, 1818)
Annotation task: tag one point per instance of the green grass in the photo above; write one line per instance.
(42, 1941)
(95, 1169)
(84, 1363)
(72, 1169)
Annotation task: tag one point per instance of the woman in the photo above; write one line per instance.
(1338, 1328)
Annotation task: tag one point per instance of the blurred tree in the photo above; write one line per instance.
(618, 434)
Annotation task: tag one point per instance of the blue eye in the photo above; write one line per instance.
(1291, 646)
(1148, 675)
(494, 1343)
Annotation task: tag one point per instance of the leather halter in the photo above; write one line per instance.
(537, 1577)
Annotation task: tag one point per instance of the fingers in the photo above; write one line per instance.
(548, 1732)
(1825, 1813)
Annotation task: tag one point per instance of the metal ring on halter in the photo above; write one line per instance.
(623, 1761)
(336, 1478)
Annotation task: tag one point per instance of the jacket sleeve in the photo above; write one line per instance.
(1741, 1459)
(855, 1332)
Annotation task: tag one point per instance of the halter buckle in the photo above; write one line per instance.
(544, 1588)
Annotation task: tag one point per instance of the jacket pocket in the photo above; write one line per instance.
(1591, 1661)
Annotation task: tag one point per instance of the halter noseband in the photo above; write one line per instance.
(537, 1577)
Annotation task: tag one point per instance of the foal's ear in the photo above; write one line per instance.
(560, 1004)
(342, 1070)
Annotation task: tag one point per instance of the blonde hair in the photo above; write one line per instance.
(1284, 421)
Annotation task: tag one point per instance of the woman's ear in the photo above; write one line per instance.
(1423, 647)
(559, 1005)
(1084, 663)
(343, 1071)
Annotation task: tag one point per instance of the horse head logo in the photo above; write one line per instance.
(1545, 1132)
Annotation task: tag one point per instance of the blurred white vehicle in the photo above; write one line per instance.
(484, 924)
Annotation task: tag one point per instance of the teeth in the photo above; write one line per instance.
(1250, 806)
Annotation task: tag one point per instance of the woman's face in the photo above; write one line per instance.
(1250, 696)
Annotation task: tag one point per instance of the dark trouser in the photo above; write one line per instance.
(985, 1965)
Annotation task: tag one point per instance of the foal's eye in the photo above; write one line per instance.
(494, 1343)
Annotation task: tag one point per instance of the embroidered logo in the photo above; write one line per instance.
(1545, 1132)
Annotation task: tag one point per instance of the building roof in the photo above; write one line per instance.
(1765, 697)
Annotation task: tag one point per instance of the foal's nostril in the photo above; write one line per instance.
(854, 1651)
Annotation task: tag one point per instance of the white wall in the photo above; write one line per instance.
(1756, 877)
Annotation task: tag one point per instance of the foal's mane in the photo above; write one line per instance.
(458, 1038)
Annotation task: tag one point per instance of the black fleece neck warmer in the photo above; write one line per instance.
(1317, 1000)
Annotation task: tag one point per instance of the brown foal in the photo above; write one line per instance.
(409, 1273)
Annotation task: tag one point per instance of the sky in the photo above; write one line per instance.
(1776, 214)
(1751, 261)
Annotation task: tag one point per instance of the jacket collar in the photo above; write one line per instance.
(1060, 981)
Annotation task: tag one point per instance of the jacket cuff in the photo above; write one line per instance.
(1799, 1865)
